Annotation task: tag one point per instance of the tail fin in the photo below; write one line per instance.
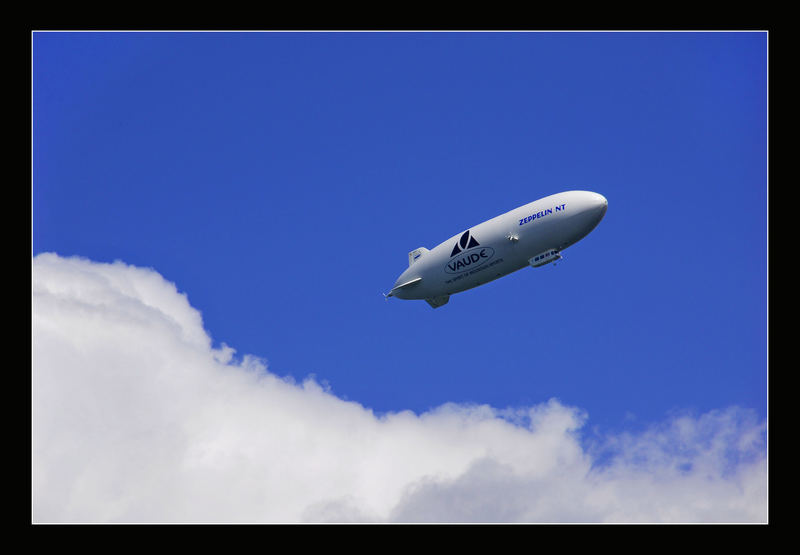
(436, 302)
(414, 255)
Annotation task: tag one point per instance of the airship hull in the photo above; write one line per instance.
(500, 246)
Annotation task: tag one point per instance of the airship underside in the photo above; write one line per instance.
(531, 235)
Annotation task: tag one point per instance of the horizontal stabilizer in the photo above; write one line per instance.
(436, 302)
(414, 255)
(406, 284)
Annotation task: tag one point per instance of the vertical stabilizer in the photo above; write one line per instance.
(436, 302)
(415, 255)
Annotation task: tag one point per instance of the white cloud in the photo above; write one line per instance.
(136, 418)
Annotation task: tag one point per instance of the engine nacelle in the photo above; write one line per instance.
(544, 258)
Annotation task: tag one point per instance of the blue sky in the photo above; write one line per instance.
(280, 179)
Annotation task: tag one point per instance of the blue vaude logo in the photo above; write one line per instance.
(469, 260)
(467, 255)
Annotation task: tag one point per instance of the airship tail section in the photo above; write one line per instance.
(415, 255)
(397, 288)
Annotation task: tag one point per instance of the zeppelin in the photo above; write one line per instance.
(531, 235)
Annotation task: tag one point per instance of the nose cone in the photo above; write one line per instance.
(593, 208)
(601, 203)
